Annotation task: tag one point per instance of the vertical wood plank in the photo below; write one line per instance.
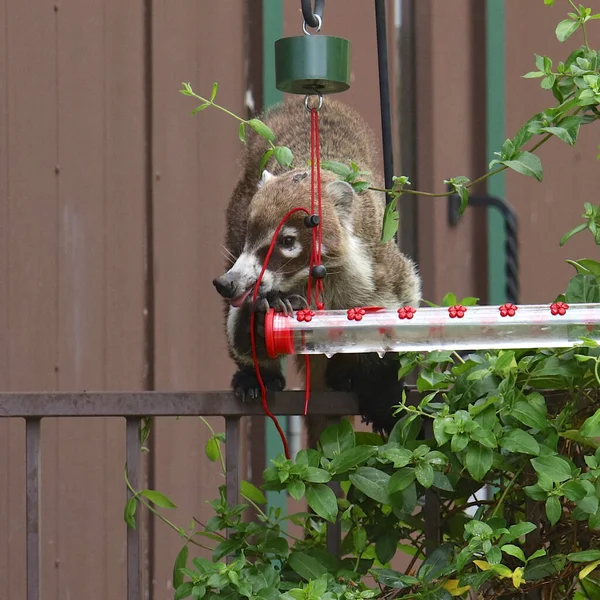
(28, 251)
(195, 171)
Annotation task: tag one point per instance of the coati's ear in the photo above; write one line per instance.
(266, 176)
(343, 197)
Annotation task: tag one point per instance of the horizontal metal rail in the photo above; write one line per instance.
(133, 406)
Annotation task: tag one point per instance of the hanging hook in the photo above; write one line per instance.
(313, 18)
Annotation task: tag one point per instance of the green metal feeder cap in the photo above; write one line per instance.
(310, 64)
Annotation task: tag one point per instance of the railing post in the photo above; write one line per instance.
(232, 459)
(133, 453)
(334, 530)
(32, 462)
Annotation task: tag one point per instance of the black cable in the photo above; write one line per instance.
(384, 95)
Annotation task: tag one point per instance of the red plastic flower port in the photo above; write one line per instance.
(508, 310)
(305, 314)
(559, 308)
(356, 314)
(406, 312)
(457, 311)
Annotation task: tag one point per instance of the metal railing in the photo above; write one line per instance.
(133, 407)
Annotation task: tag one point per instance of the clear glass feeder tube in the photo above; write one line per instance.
(481, 327)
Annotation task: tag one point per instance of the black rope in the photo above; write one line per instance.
(384, 95)
(310, 16)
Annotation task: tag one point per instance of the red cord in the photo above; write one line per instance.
(315, 259)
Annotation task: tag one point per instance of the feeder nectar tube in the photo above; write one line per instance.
(426, 329)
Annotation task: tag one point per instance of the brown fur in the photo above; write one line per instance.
(360, 273)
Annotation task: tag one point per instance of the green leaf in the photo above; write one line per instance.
(337, 167)
(459, 442)
(583, 288)
(548, 566)
(360, 186)
(424, 474)
(213, 449)
(571, 233)
(574, 490)
(242, 133)
(261, 129)
(555, 468)
(584, 556)
(517, 440)
(586, 266)
(386, 545)
(526, 163)
(322, 500)
(393, 579)
(284, 156)
(371, 482)
(213, 94)
(513, 550)
(316, 475)
(158, 499)
(553, 509)
(391, 218)
(565, 29)
(436, 563)
(479, 461)
(591, 426)
(530, 415)
(296, 489)
(400, 480)
(199, 591)
(184, 590)
(337, 438)
(306, 566)
(130, 509)
(200, 108)
(264, 160)
(180, 563)
(516, 531)
(251, 492)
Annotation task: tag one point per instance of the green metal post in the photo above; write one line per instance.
(272, 31)
(496, 132)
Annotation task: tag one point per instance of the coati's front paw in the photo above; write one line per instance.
(245, 383)
(282, 302)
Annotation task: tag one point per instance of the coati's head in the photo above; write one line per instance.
(289, 264)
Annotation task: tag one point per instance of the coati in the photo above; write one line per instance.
(361, 271)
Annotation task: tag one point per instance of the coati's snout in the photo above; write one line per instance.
(238, 283)
(225, 286)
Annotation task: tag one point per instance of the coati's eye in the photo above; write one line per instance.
(287, 241)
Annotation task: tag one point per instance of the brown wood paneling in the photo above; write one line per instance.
(29, 255)
(549, 209)
(445, 134)
(71, 275)
(195, 170)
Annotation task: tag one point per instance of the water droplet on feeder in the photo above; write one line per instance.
(329, 355)
(381, 354)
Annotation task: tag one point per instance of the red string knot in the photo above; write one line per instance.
(406, 312)
(508, 310)
(457, 311)
(356, 314)
(305, 314)
(559, 308)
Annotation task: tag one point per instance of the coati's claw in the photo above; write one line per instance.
(245, 384)
(280, 302)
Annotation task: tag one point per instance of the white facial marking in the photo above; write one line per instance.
(290, 251)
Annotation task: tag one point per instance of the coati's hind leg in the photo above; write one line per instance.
(245, 383)
(374, 380)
